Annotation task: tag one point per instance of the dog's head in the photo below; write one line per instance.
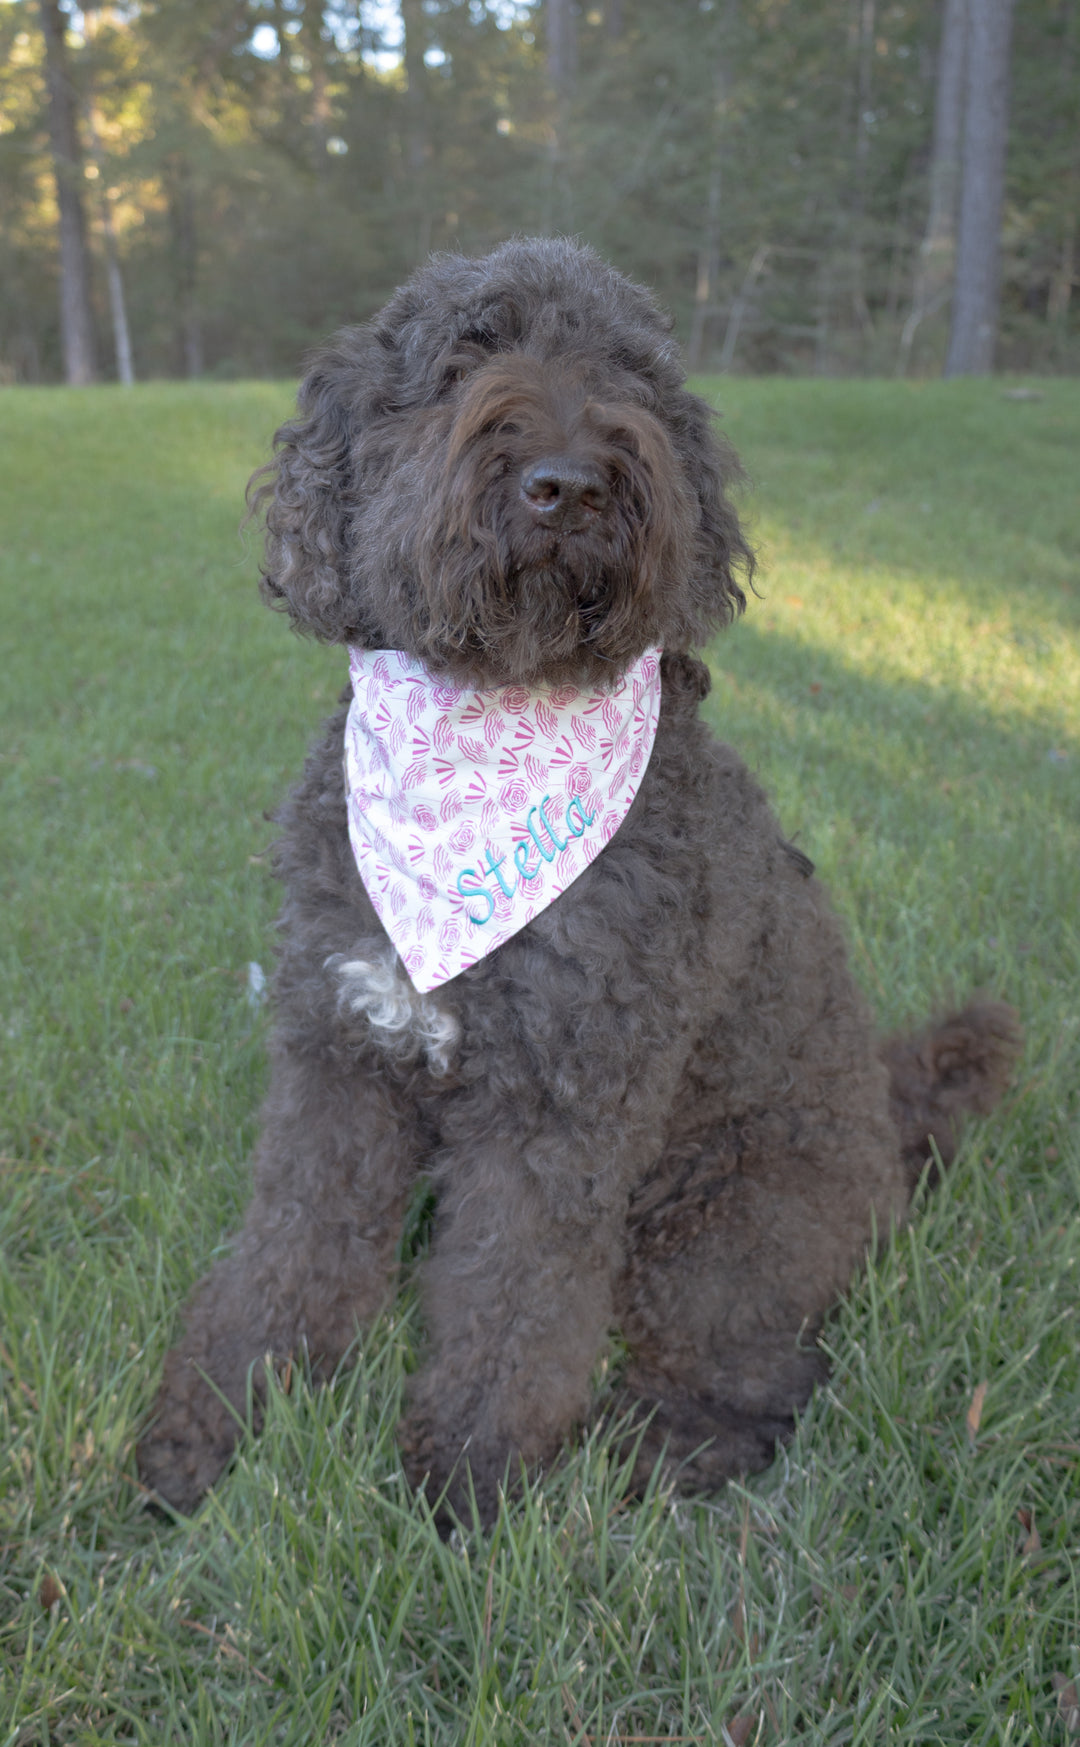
(504, 475)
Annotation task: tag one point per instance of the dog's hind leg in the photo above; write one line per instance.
(316, 1258)
(735, 1253)
(742, 1238)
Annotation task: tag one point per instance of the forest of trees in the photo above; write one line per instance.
(193, 187)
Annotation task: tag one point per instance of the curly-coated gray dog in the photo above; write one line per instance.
(658, 1106)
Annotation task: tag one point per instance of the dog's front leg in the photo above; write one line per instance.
(518, 1295)
(518, 1289)
(316, 1258)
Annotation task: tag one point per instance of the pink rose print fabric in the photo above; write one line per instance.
(471, 811)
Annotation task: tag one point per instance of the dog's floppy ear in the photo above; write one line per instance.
(722, 550)
(309, 489)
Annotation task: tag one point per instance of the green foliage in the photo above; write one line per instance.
(908, 686)
(272, 172)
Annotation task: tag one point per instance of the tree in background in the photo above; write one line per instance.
(76, 314)
(417, 128)
(976, 292)
(937, 252)
(560, 20)
(784, 172)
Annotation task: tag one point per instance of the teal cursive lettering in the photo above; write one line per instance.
(577, 807)
(548, 854)
(521, 856)
(494, 864)
(475, 891)
(547, 822)
(470, 882)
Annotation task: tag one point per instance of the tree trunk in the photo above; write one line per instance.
(417, 142)
(314, 47)
(185, 264)
(708, 270)
(125, 361)
(562, 46)
(978, 244)
(740, 303)
(560, 25)
(867, 15)
(937, 252)
(1064, 275)
(76, 319)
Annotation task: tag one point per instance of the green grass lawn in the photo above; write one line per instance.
(908, 686)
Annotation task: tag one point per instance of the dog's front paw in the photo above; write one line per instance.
(178, 1471)
(189, 1441)
(463, 1475)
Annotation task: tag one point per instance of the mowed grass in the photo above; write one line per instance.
(908, 687)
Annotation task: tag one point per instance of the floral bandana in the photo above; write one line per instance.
(470, 811)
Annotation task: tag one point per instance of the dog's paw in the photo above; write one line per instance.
(190, 1440)
(177, 1465)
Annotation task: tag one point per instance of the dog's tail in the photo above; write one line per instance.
(963, 1062)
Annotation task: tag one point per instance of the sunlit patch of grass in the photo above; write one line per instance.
(907, 687)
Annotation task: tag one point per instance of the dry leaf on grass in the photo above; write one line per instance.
(974, 1412)
(1068, 1702)
(737, 1619)
(1032, 1542)
(739, 1730)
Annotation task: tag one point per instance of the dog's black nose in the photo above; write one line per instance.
(564, 493)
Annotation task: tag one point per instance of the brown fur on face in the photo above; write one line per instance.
(395, 509)
(660, 1106)
(507, 600)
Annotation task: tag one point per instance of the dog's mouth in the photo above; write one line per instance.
(582, 550)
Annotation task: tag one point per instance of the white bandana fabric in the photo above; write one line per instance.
(471, 811)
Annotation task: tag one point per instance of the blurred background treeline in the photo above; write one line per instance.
(207, 187)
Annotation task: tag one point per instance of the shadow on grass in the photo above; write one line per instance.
(945, 486)
(774, 694)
